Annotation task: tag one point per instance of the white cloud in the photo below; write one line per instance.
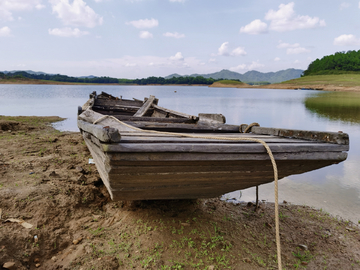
(212, 60)
(254, 65)
(285, 19)
(177, 57)
(238, 51)
(145, 34)
(297, 50)
(5, 15)
(292, 48)
(276, 59)
(67, 32)
(40, 6)
(344, 5)
(174, 35)
(254, 28)
(346, 40)
(179, 1)
(5, 31)
(7, 7)
(144, 23)
(224, 50)
(77, 13)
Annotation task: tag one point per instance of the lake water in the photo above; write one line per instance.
(335, 189)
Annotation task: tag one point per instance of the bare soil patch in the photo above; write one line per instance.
(46, 181)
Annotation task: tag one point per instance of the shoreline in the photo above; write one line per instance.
(46, 180)
(321, 87)
(285, 86)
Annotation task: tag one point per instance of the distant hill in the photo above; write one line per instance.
(250, 76)
(27, 71)
(43, 73)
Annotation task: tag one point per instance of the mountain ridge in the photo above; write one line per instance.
(252, 76)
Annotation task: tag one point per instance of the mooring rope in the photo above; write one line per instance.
(268, 150)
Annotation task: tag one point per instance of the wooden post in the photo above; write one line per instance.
(257, 198)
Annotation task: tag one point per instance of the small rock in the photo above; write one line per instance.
(9, 131)
(350, 229)
(186, 224)
(77, 241)
(247, 260)
(54, 259)
(211, 267)
(37, 265)
(8, 265)
(80, 169)
(304, 247)
(36, 260)
(53, 174)
(82, 178)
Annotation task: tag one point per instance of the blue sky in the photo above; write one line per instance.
(142, 38)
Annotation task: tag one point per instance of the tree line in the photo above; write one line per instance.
(107, 80)
(340, 62)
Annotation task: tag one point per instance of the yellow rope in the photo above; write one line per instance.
(268, 150)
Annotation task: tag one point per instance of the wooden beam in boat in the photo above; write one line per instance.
(178, 127)
(333, 157)
(329, 137)
(144, 108)
(154, 119)
(174, 112)
(222, 148)
(104, 134)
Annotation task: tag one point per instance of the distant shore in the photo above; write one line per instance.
(292, 86)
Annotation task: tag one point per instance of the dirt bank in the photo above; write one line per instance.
(293, 86)
(46, 181)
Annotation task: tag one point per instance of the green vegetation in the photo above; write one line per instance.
(258, 83)
(338, 63)
(174, 80)
(230, 82)
(343, 80)
(22, 75)
(342, 106)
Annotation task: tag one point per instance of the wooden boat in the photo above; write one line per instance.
(142, 165)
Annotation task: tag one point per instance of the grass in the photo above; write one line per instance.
(342, 80)
(230, 82)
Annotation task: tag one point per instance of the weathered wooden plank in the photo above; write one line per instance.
(179, 127)
(142, 111)
(104, 134)
(246, 168)
(154, 119)
(183, 157)
(179, 114)
(329, 137)
(177, 192)
(221, 148)
(99, 158)
(212, 118)
(179, 139)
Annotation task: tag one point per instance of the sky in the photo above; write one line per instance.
(142, 38)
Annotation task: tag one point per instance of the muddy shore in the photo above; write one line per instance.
(292, 87)
(55, 213)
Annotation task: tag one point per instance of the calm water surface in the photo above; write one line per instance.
(336, 189)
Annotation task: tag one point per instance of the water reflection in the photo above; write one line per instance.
(335, 188)
(342, 106)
